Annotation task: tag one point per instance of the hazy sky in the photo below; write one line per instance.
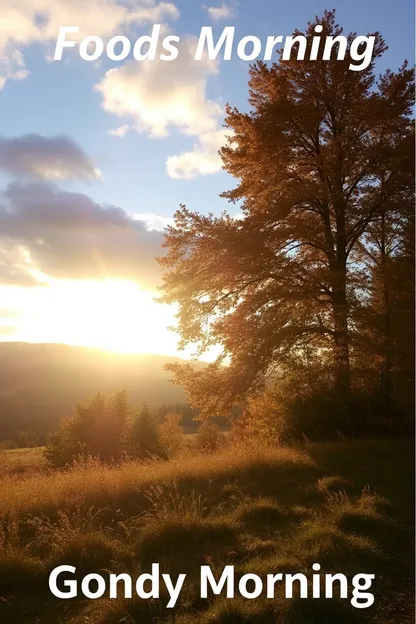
(96, 157)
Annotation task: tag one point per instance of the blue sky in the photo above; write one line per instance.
(52, 98)
(59, 97)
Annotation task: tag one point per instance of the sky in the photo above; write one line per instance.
(95, 157)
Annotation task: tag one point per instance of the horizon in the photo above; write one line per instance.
(100, 350)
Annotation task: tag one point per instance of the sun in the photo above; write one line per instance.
(115, 315)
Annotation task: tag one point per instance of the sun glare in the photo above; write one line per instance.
(112, 315)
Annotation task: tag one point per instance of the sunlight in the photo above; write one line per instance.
(111, 315)
(114, 315)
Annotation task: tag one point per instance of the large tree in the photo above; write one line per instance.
(319, 157)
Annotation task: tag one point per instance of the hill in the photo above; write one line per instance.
(40, 383)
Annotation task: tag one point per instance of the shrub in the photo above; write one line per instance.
(263, 422)
(208, 437)
(171, 436)
(293, 409)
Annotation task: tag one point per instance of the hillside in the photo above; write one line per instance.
(348, 506)
(39, 383)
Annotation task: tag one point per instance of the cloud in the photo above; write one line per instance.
(50, 158)
(67, 235)
(12, 65)
(24, 22)
(161, 95)
(220, 13)
(202, 160)
(154, 221)
(14, 264)
(120, 131)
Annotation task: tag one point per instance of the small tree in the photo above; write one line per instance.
(171, 435)
(262, 422)
(143, 437)
(208, 437)
(63, 446)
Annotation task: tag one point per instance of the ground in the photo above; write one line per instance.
(348, 506)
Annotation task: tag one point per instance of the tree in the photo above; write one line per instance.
(143, 439)
(171, 435)
(386, 317)
(97, 429)
(208, 437)
(322, 153)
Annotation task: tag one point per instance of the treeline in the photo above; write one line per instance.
(23, 439)
(110, 429)
(188, 418)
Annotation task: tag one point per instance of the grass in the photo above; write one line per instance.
(21, 460)
(348, 506)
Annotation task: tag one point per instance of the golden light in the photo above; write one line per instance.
(113, 315)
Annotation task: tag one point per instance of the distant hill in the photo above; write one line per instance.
(40, 383)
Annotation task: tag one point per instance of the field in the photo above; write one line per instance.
(348, 506)
(20, 460)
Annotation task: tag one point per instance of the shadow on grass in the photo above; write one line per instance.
(183, 547)
(264, 515)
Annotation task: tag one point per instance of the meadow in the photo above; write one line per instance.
(346, 505)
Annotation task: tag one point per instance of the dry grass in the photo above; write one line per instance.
(265, 511)
(96, 484)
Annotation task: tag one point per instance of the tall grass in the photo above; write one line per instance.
(264, 511)
(93, 483)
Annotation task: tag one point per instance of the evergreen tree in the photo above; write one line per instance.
(144, 440)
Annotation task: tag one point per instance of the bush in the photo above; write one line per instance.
(263, 421)
(208, 437)
(171, 436)
(296, 409)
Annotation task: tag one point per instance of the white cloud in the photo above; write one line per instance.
(154, 221)
(12, 65)
(121, 131)
(163, 94)
(202, 160)
(24, 22)
(219, 13)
